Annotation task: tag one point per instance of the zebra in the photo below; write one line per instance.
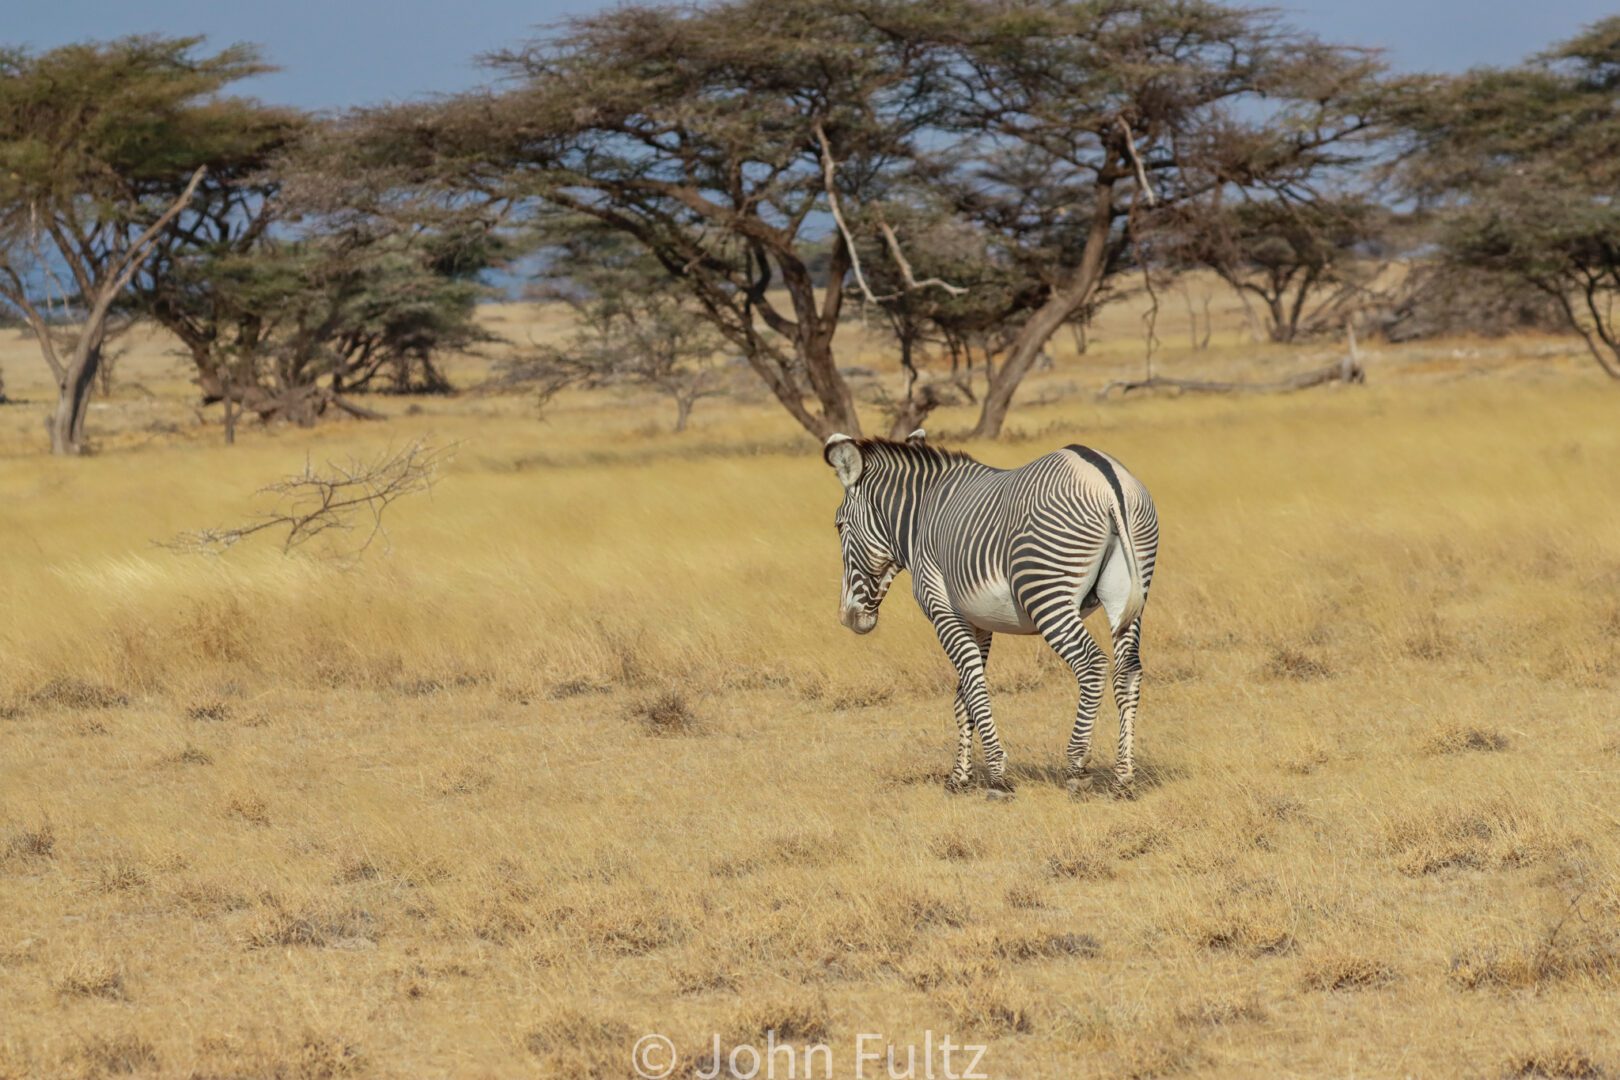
(1031, 550)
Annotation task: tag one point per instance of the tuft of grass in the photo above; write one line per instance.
(788, 1020)
(116, 1055)
(1554, 1063)
(248, 807)
(1287, 663)
(94, 978)
(38, 842)
(1458, 738)
(1346, 971)
(667, 715)
(989, 1008)
(1080, 861)
(316, 926)
(71, 692)
(1484, 834)
(213, 712)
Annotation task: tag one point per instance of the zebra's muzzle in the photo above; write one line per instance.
(858, 619)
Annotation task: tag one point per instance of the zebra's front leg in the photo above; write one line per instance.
(1067, 635)
(962, 773)
(961, 641)
(1127, 692)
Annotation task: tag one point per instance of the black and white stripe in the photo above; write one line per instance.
(1031, 550)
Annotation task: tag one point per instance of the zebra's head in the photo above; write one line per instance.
(869, 561)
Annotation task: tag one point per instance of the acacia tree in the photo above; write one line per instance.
(306, 281)
(1108, 109)
(1304, 261)
(711, 136)
(1522, 164)
(636, 324)
(102, 147)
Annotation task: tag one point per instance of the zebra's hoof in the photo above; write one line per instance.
(1079, 785)
(955, 786)
(998, 794)
(1124, 789)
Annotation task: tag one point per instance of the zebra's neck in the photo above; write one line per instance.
(899, 477)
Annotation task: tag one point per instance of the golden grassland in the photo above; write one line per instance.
(583, 753)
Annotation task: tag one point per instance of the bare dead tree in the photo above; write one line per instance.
(347, 497)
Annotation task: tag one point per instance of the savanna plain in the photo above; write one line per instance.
(579, 752)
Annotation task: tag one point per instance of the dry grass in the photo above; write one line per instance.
(585, 754)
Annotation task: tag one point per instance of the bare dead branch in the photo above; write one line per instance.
(829, 175)
(1136, 160)
(344, 496)
(905, 266)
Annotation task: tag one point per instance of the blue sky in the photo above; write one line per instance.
(351, 52)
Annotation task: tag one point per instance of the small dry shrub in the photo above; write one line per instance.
(115, 1055)
(249, 808)
(1577, 946)
(323, 1057)
(1457, 738)
(93, 978)
(989, 1008)
(860, 697)
(121, 876)
(69, 692)
(807, 849)
(1025, 898)
(467, 780)
(213, 712)
(570, 688)
(188, 755)
(576, 1044)
(667, 715)
(1306, 760)
(1024, 948)
(957, 846)
(310, 1056)
(788, 1020)
(1346, 971)
(38, 842)
(1429, 641)
(1080, 861)
(1554, 1063)
(1486, 834)
(317, 925)
(1250, 916)
(205, 899)
(1131, 840)
(1223, 1012)
(1286, 663)
(354, 868)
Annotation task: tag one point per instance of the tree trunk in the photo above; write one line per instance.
(1063, 305)
(73, 399)
(683, 412)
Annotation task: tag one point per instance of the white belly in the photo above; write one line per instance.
(991, 607)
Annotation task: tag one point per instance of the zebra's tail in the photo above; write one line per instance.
(1136, 598)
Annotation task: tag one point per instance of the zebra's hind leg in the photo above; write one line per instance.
(1127, 692)
(962, 773)
(1070, 639)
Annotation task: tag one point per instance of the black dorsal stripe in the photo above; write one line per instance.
(1103, 466)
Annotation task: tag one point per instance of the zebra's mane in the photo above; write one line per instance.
(912, 451)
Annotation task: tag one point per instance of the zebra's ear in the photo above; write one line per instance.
(844, 456)
(918, 436)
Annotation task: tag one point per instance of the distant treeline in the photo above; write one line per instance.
(729, 181)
